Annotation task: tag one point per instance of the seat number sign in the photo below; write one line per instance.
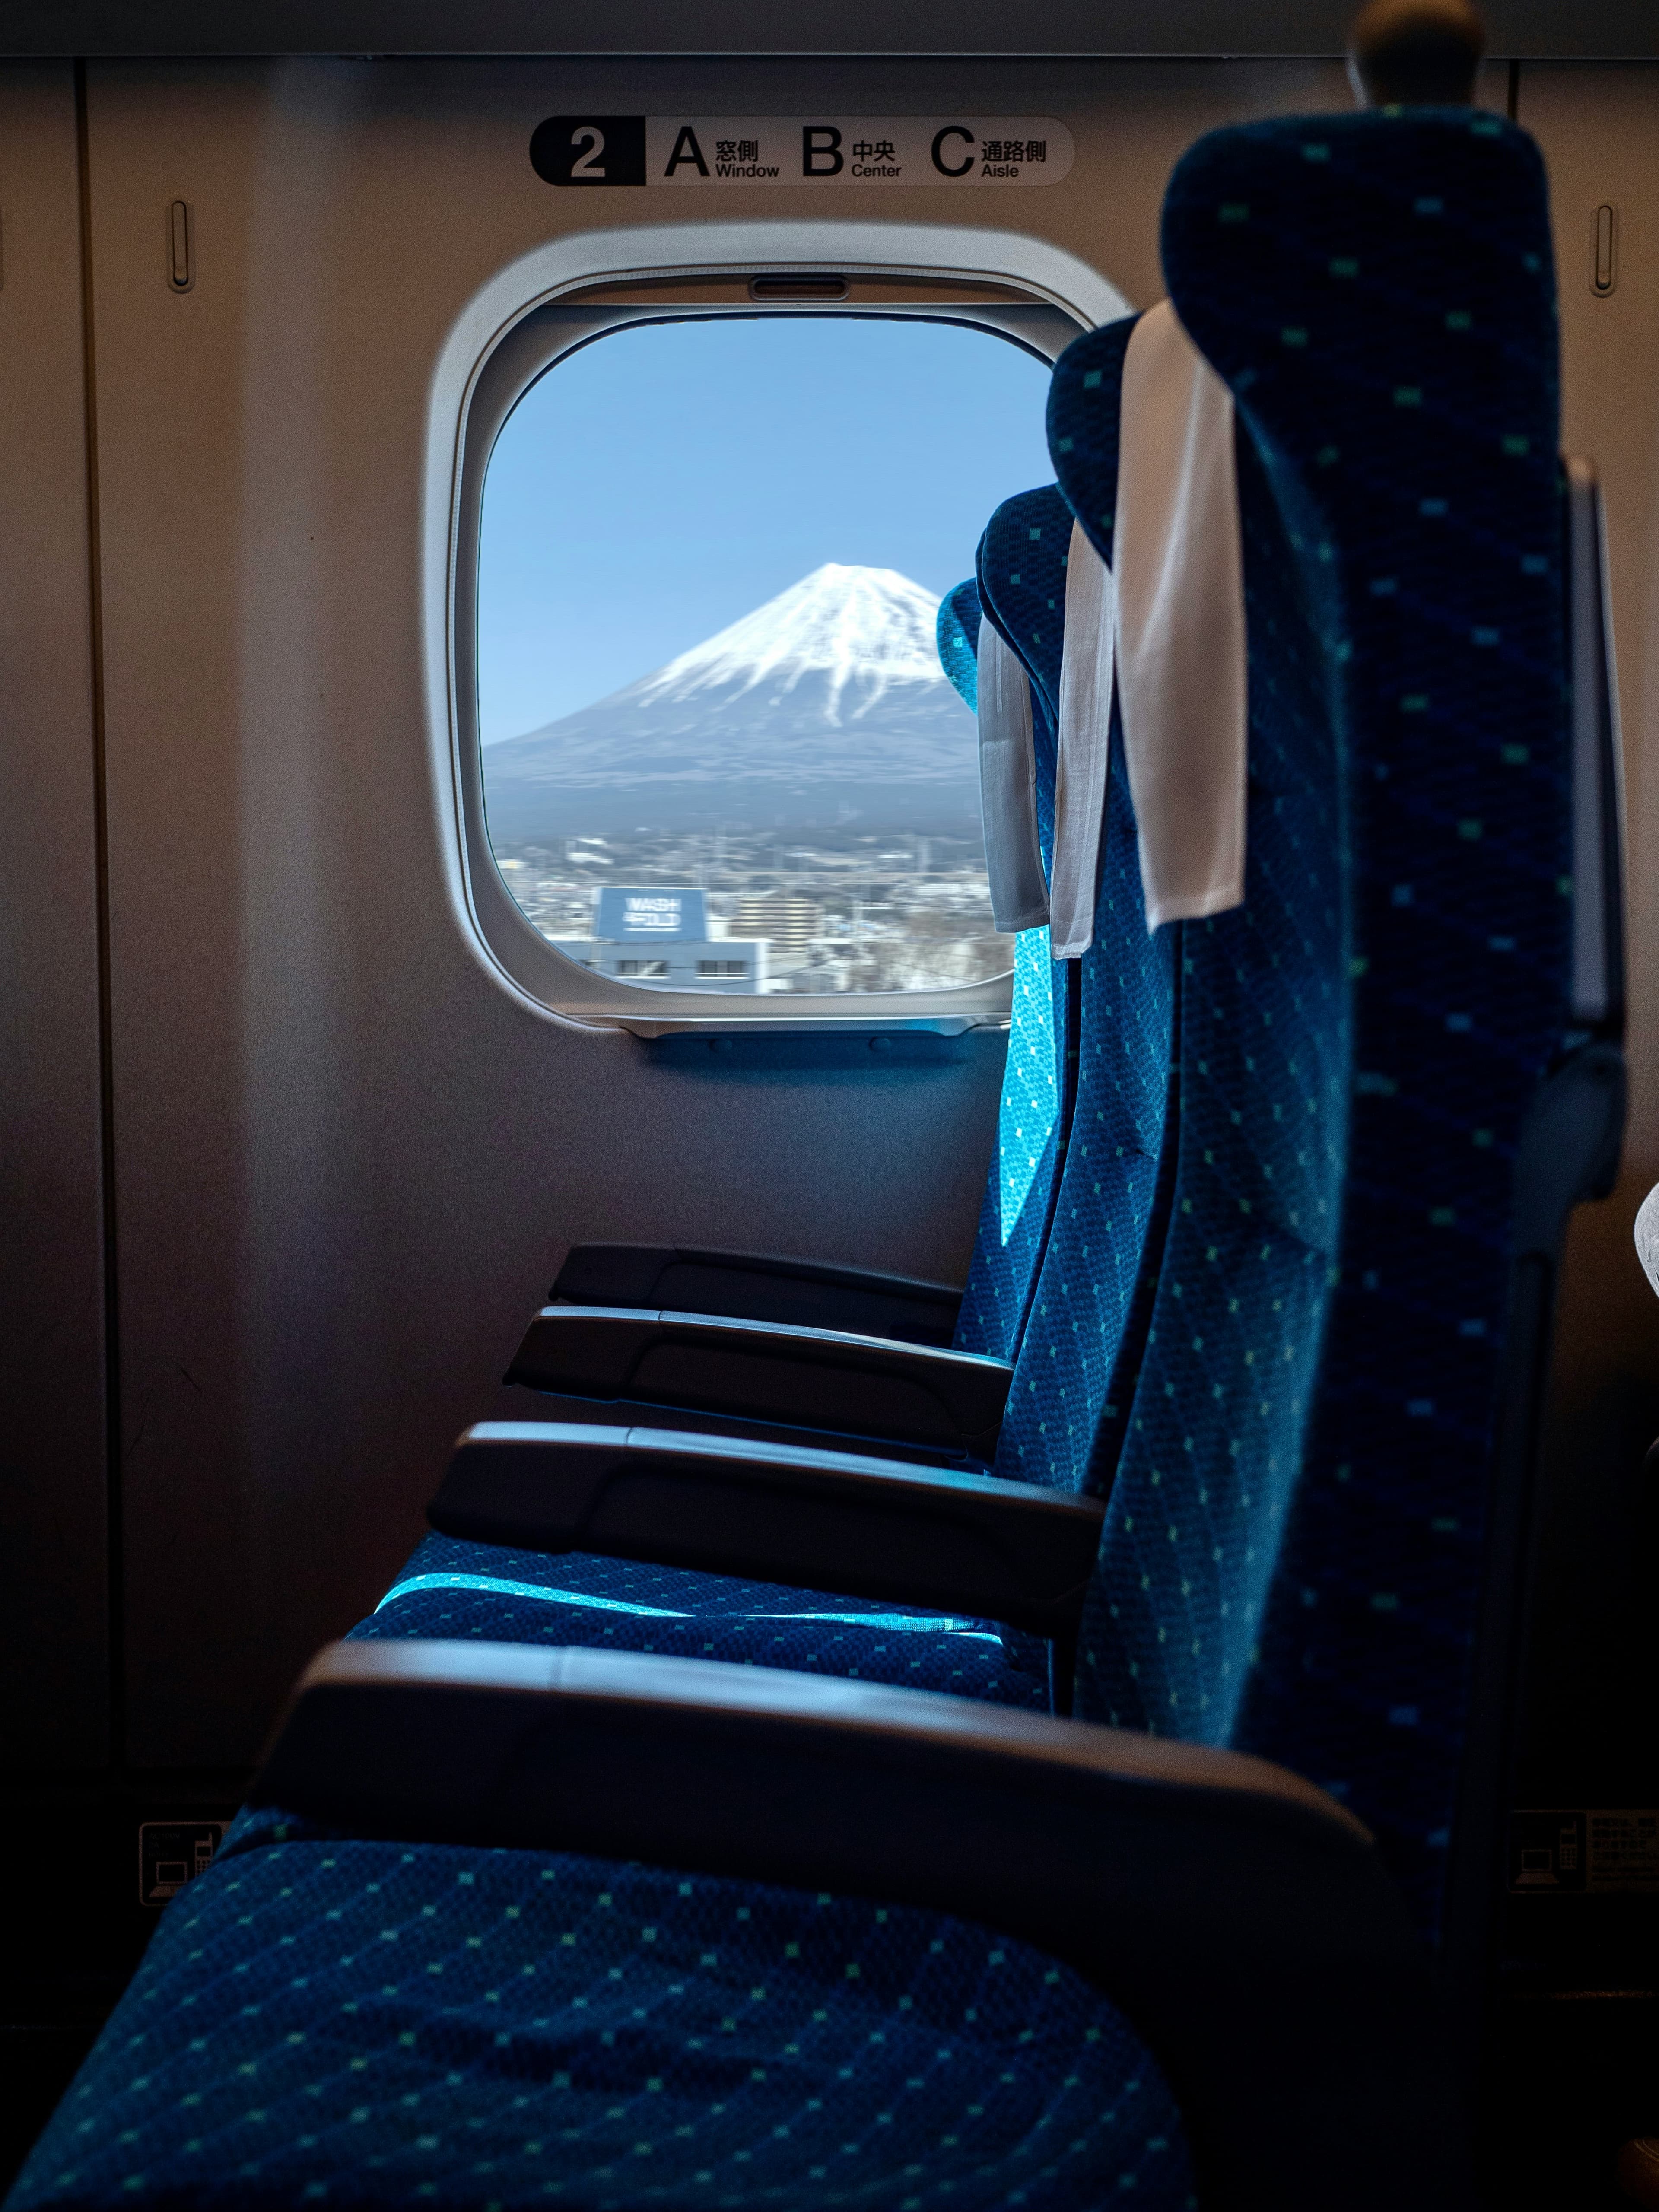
(702, 152)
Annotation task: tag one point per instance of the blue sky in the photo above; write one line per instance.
(667, 479)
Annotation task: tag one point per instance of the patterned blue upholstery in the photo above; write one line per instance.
(1009, 1242)
(1021, 587)
(1013, 1220)
(1402, 392)
(1292, 1546)
(325, 2022)
(1206, 1465)
(454, 1590)
(957, 634)
(1062, 1424)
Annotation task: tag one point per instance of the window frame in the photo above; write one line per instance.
(547, 327)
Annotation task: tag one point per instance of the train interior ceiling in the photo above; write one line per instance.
(605, 855)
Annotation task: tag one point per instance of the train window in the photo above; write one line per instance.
(718, 753)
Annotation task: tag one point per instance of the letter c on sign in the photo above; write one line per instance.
(952, 130)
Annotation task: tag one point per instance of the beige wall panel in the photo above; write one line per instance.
(53, 1564)
(1600, 133)
(349, 1158)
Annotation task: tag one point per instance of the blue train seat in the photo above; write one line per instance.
(453, 1588)
(957, 635)
(1112, 1011)
(1020, 568)
(1088, 1309)
(1014, 1219)
(1082, 1340)
(1478, 1105)
(1379, 1250)
(1387, 1101)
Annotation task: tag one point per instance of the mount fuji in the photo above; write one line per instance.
(825, 708)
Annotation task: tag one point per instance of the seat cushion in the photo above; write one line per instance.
(453, 1589)
(324, 2022)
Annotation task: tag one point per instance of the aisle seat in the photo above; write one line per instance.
(1402, 394)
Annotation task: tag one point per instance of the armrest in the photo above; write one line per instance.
(815, 1378)
(926, 1536)
(754, 1287)
(1241, 1919)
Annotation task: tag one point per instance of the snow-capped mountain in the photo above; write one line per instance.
(826, 707)
(848, 634)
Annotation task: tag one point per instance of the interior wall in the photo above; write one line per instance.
(1595, 1678)
(347, 1162)
(53, 1591)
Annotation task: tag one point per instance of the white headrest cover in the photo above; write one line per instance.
(1168, 628)
(1007, 786)
(1084, 746)
(1181, 646)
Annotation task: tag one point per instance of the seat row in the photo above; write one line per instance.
(1194, 1505)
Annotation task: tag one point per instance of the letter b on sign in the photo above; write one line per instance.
(820, 150)
(589, 149)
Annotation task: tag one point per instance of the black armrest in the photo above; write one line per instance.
(934, 1537)
(1241, 1919)
(815, 1378)
(754, 1287)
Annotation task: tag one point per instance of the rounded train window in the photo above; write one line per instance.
(719, 754)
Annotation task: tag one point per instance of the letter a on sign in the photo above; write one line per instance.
(686, 149)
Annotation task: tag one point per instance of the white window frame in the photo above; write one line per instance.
(512, 332)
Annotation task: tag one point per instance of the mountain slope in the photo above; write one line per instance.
(825, 708)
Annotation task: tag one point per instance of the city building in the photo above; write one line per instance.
(788, 919)
(662, 938)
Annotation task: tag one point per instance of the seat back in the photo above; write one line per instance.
(1033, 1116)
(1062, 1426)
(1014, 1218)
(1371, 1170)
(957, 634)
(1083, 1322)
(1200, 1447)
